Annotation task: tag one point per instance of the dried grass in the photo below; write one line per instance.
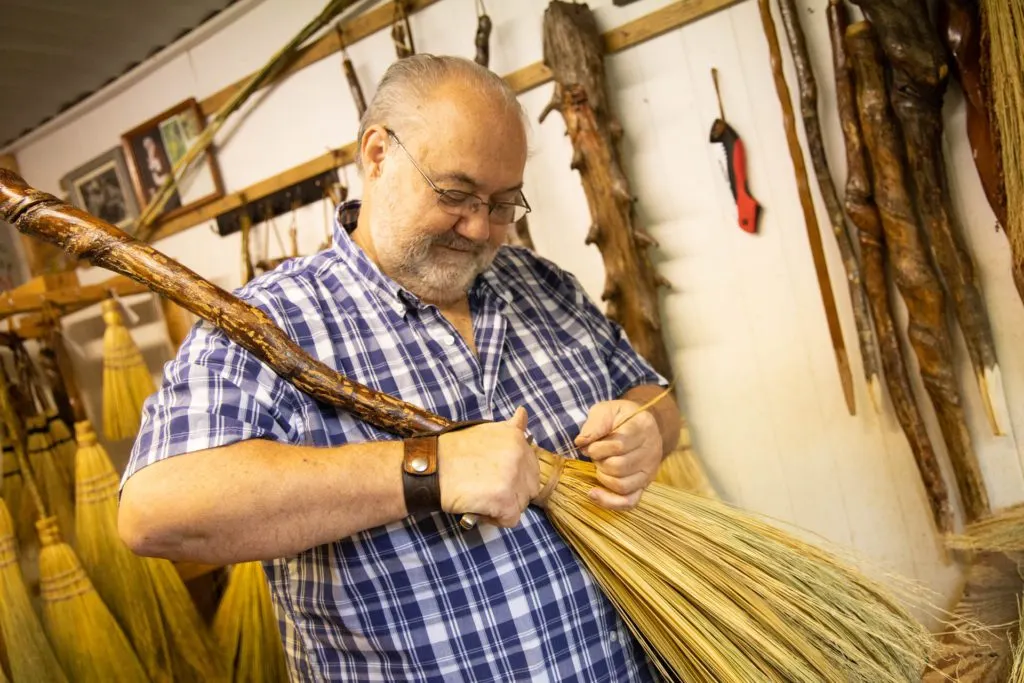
(127, 382)
(247, 629)
(1002, 532)
(715, 594)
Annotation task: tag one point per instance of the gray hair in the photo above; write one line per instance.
(409, 81)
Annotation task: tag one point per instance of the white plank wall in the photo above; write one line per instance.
(744, 319)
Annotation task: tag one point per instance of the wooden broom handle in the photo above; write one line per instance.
(46, 217)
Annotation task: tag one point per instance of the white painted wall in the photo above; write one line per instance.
(744, 320)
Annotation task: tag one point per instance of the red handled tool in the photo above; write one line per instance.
(747, 208)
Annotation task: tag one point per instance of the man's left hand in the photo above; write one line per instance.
(627, 459)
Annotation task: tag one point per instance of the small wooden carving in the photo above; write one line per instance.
(812, 128)
(860, 205)
(912, 268)
(919, 77)
(573, 52)
(483, 35)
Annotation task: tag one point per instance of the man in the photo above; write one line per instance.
(372, 581)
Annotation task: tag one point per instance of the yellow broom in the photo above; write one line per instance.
(127, 382)
(683, 470)
(119, 575)
(63, 443)
(1002, 532)
(246, 627)
(29, 654)
(54, 487)
(86, 638)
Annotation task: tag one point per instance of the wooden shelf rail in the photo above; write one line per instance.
(632, 33)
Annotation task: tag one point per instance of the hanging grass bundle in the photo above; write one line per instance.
(63, 443)
(29, 654)
(53, 486)
(126, 379)
(119, 575)
(712, 593)
(246, 627)
(1002, 532)
(682, 469)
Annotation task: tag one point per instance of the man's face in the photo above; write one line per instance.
(467, 146)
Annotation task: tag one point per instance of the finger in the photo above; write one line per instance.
(605, 448)
(617, 465)
(614, 501)
(623, 485)
(598, 423)
(519, 419)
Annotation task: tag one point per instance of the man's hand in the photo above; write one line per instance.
(489, 470)
(627, 459)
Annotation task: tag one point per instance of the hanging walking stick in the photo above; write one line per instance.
(401, 31)
(919, 75)
(860, 205)
(483, 35)
(807, 205)
(710, 592)
(350, 75)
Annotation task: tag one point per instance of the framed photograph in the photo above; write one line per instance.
(103, 187)
(153, 148)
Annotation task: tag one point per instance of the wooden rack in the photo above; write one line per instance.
(615, 40)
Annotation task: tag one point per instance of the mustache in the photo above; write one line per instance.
(453, 241)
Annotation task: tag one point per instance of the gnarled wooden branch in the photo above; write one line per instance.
(860, 205)
(572, 50)
(812, 128)
(913, 272)
(920, 75)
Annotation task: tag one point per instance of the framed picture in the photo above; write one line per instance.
(103, 187)
(153, 148)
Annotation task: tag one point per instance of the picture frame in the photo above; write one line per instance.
(151, 150)
(103, 187)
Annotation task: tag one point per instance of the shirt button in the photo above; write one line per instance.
(613, 636)
(448, 340)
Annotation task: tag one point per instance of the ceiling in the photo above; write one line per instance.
(54, 53)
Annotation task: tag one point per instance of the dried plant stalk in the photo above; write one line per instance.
(920, 74)
(1003, 532)
(860, 205)
(812, 128)
(913, 272)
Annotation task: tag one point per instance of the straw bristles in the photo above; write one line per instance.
(127, 382)
(31, 658)
(63, 442)
(195, 656)
(682, 469)
(89, 643)
(119, 575)
(12, 491)
(714, 594)
(246, 627)
(1002, 532)
(54, 487)
(1017, 674)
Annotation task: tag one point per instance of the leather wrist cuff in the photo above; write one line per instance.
(420, 480)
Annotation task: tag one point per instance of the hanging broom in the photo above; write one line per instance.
(52, 484)
(86, 638)
(683, 470)
(712, 593)
(1002, 532)
(179, 631)
(126, 379)
(119, 575)
(63, 442)
(29, 653)
(246, 627)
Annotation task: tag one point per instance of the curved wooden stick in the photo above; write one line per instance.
(44, 216)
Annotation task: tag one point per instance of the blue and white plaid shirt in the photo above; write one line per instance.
(420, 599)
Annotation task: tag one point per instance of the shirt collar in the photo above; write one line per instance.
(346, 217)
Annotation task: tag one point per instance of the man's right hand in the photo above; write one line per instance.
(489, 470)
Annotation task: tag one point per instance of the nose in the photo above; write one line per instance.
(475, 225)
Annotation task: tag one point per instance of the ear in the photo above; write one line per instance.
(372, 149)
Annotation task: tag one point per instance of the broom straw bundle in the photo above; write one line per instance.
(53, 485)
(29, 654)
(87, 640)
(246, 627)
(126, 379)
(678, 566)
(1002, 532)
(119, 575)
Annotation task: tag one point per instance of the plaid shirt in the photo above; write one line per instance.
(420, 599)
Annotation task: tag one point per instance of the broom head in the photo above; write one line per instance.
(126, 379)
(247, 629)
(1002, 532)
(54, 487)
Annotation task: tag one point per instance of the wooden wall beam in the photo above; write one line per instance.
(628, 35)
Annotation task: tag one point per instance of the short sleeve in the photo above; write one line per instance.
(213, 393)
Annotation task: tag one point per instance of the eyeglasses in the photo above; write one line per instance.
(459, 203)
